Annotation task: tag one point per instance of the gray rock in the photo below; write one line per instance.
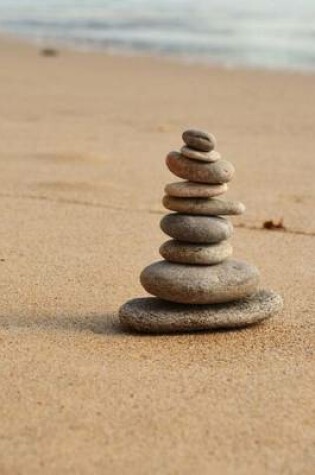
(210, 157)
(188, 189)
(203, 206)
(153, 315)
(199, 140)
(214, 173)
(200, 254)
(196, 229)
(194, 284)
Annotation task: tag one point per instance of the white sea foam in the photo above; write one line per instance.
(259, 33)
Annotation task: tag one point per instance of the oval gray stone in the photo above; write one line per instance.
(214, 173)
(196, 229)
(153, 315)
(203, 206)
(193, 284)
(200, 254)
(188, 189)
(210, 157)
(199, 140)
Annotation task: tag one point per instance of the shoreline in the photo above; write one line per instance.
(188, 61)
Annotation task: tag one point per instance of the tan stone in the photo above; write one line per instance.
(188, 189)
(201, 254)
(203, 206)
(218, 172)
(188, 152)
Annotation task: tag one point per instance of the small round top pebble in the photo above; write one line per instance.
(199, 140)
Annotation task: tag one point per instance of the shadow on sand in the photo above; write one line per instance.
(106, 324)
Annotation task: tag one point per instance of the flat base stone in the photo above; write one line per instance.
(153, 315)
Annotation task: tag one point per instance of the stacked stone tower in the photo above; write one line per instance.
(198, 285)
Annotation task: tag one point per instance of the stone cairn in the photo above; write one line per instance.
(198, 286)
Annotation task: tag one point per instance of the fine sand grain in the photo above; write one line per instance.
(83, 143)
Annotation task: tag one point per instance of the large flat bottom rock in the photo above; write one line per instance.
(153, 315)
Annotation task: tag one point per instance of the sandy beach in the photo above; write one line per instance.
(83, 142)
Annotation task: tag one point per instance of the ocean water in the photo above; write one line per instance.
(276, 34)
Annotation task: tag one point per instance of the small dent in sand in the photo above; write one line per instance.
(66, 186)
(167, 127)
(72, 157)
(76, 186)
(297, 198)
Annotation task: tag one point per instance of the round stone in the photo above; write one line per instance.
(203, 206)
(199, 140)
(214, 173)
(188, 189)
(230, 280)
(158, 316)
(212, 156)
(196, 229)
(200, 254)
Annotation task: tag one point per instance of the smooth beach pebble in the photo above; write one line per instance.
(196, 229)
(210, 157)
(199, 140)
(201, 254)
(217, 172)
(203, 206)
(158, 316)
(188, 189)
(230, 280)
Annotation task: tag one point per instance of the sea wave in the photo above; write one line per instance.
(246, 33)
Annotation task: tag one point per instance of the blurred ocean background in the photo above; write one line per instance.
(276, 34)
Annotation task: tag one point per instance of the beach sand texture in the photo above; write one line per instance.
(82, 149)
